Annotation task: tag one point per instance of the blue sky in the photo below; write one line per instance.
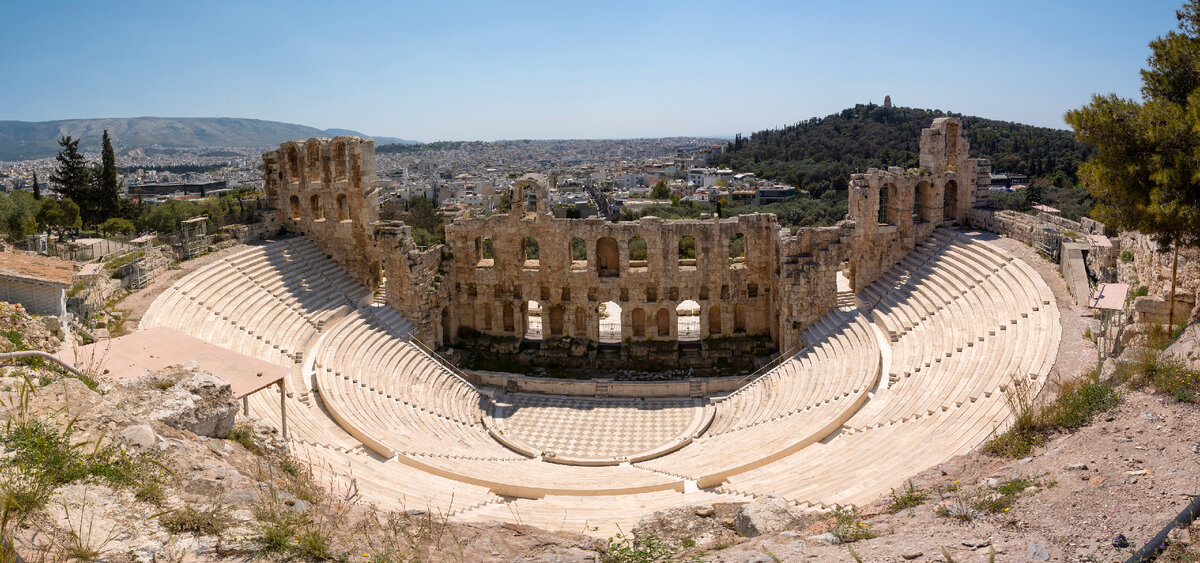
(499, 70)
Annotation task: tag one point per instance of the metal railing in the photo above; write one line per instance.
(433, 355)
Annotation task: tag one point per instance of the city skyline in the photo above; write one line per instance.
(478, 71)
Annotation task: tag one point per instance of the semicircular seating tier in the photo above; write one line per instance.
(912, 374)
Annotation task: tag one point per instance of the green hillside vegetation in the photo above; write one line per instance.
(819, 155)
(418, 147)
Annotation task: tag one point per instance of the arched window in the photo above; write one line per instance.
(580, 322)
(340, 166)
(314, 205)
(663, 322)
(294, 207)
(509, 324)
(737, 252)
(739, 318)
(343, 212)
(608, 262)
(704, 293)
(529, 252)
(556, 320)
(483, 250)
(579, 256)
(293, 161)
(687, 254)
(638, 255)
(638, 319)
(312, 162)
(714, 320)
(887, 198)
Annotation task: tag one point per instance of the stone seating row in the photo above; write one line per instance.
(371, 347)
(856, 467)
(839, 362)
(711, 458)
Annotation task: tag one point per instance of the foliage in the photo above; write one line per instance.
(1141, 291)
(71, 172)
(1126, 256)
(1073, 201)
(1077, 403)
(1148, 153)
(819, 155)
(639, 547)
(117, 225)
(660, 190)
(59, 214)
(209, 521)
(848, 525)
(908, 498)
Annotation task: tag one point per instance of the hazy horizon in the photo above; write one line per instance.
(491, 71)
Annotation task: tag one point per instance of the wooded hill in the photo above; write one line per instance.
(821, 153)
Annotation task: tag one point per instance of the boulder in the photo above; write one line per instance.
(765, 515)
(183, 397)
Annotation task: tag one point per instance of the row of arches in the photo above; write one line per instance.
(316, 211)
(923, 203)
(610, 323)
(607, 254)
(341, 167)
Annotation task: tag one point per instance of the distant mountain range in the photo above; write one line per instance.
(21, 140)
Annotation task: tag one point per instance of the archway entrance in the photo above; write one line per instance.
(687, 323)
(609, 314)
(533, 321)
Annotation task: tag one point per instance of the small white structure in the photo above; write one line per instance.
(38, 283)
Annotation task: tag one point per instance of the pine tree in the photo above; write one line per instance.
(37, 188)
(72, 173)
(108, 199)
(1144, 172)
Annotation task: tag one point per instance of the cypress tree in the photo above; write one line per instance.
(37, 188)
(109, 196)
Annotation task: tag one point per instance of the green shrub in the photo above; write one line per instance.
(640, 547)
(848, 526)
(908, 498)
(1141, 291)
(1127, 256)
(211, 521)
(1078, 402)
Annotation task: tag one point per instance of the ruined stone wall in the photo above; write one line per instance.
(492, 295)
(326, 189)
(485, 276)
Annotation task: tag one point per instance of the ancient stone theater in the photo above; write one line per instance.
(870, 350)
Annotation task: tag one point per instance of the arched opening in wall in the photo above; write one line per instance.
(483, 249)
(533, 320)
(446, 336)
(557, 312)
(293, 160)
(487, 318)
(608, 261)
(950, 211)
(509, 321)
(609, 314)
(951, 146)
(885, 201)
(312, 162)
(314, 207)
(687, 321)
(687, 254)
(739, 317)
(638, 319)
(294, 207)
(580, 322)
(845, 273)
(714, 320)
(891, 214)
(737, 252)
(529, 251)
(343, 211)
(704, 293)
(662, 323)
(921, 210)
(638, 255)
(339, 162)
(578, 255)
